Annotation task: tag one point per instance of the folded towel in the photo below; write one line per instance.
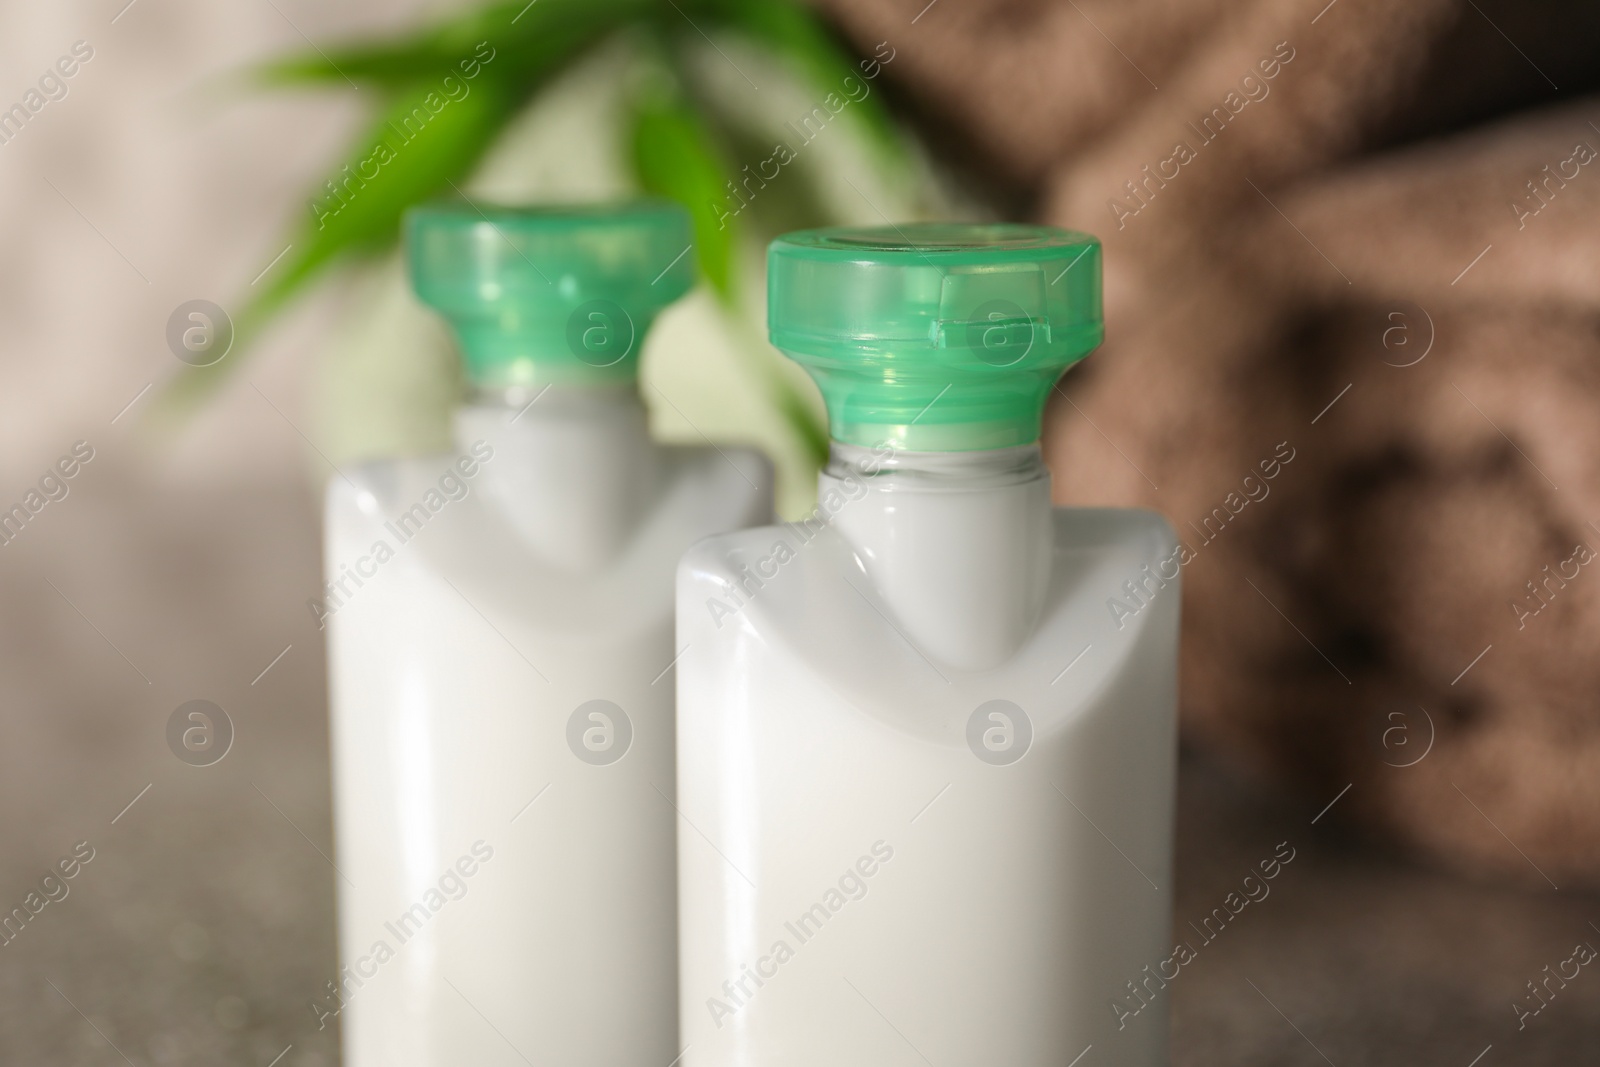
(1356, 367)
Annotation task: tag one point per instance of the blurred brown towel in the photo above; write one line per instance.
(1404, 338)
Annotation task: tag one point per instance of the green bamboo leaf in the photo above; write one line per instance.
(422, 145)
(767, 206)
(675, 155)
(523, 36)
(795, 33)
(812, 432)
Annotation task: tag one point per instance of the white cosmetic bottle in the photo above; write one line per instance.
(927, 737)
(500, 631)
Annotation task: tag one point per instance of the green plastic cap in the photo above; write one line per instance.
(539, 295)
(935, 337)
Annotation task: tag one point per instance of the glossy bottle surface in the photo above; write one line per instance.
(930, 766)
(500, 632)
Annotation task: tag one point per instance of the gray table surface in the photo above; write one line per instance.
(203, 926)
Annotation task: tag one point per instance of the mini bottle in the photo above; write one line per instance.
(500, 642)
(926, 735)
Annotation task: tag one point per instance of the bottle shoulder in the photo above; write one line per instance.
(729, 485)
(370, 487)
(445, 519)
(786, 598)
(1076, 531)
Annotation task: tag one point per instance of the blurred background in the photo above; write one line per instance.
(1353, 245)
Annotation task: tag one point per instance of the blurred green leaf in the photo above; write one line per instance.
(812, 431)
(795, 33)
(525, 38)
(788, 202)
(674, 154)
(502, 52)
(772, 206)
(414, 151)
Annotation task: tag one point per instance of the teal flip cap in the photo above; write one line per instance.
(558, 294)
(935, 337)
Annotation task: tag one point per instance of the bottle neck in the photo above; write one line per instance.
(574, 470)
(955, 545)
(889, 468)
